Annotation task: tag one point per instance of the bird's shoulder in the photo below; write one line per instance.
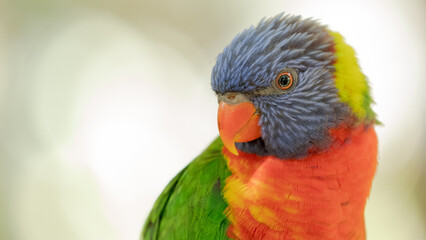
(192, 203)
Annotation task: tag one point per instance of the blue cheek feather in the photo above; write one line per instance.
(295, 122)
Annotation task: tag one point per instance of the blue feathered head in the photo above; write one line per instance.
(285, 68)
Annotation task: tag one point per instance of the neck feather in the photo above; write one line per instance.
(319, 197)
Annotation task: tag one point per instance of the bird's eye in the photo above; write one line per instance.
(284, 80)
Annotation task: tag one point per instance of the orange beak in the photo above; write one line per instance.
(237, 123)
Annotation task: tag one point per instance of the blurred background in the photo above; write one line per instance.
(103, 102)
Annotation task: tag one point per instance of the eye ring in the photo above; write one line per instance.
(284, 80)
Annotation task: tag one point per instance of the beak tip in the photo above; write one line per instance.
(229, 144)
(234, 151)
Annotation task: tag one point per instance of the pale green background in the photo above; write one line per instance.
(102, 102)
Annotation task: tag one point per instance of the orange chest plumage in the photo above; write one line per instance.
(320, 197)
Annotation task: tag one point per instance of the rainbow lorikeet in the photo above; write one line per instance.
(297, 151)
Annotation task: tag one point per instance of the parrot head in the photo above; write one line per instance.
(283, 85)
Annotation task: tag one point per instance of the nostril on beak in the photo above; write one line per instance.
(231, 97)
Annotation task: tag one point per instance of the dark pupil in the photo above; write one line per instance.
(284, 81)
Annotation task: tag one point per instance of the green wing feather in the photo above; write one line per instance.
(192, 204)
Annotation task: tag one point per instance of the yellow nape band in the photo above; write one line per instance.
(350, 81)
